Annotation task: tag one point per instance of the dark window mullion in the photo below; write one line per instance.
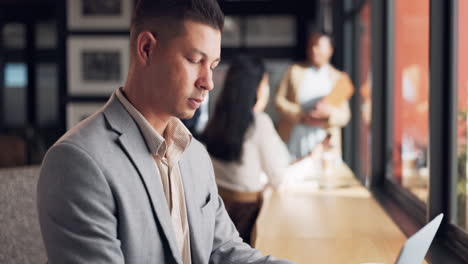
(458, 237)
(452, 186)
(389, 92)
(379, 44)
(439, 107)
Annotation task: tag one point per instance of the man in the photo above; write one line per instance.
(312, 100)
(129, 184)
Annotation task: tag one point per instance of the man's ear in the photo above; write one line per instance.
(145, 44)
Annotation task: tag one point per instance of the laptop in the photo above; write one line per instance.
(415, 248)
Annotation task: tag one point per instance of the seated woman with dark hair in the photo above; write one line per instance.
(246, 151)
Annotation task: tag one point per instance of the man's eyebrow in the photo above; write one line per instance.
(205, 55)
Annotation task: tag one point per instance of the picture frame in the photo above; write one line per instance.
(271, 31)
(231, 37)
(97, 65)
(78, 111)
(99, 15)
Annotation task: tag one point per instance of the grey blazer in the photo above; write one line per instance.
(100, 200)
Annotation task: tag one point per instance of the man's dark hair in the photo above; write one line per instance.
(225, 133)
(166, 17)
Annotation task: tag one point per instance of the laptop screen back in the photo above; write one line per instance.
(416, 247)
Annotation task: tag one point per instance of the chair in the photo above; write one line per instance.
(20, 236)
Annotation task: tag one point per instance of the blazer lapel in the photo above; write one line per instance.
(133, 144)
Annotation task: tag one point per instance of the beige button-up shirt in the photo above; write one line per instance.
(166, 151)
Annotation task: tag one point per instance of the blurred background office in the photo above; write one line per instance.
(408, 61)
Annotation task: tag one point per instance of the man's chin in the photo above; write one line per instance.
(186, 115)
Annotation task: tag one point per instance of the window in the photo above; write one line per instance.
(364, 89)
(14, 94)
(16, 75)
(411, 94)
(47, 94)
(14, 36)
(462, 136)
(46, 35)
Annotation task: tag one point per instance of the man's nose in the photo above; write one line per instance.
(205, 80)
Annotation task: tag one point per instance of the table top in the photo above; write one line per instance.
(335, 220)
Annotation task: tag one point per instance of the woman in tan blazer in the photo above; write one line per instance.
(330, 113)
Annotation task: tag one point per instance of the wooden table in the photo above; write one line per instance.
(305, 223)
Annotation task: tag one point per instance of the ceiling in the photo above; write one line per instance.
(13, 10)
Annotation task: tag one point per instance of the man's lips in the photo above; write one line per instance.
(195, 102)
(198, 100)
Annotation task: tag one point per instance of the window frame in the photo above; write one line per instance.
(454, 233)
(451, 245)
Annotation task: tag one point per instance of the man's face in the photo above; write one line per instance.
(320, 50)
(181, 71)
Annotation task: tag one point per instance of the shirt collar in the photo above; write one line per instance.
(176, 137)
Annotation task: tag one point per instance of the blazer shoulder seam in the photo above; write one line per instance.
(83, 151)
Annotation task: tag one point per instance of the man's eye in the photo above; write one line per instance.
(194, 60)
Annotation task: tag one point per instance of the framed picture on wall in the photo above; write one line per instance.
(77, 112)
(96, 65)
(232, 32)
(271, 31)
(99, 14)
